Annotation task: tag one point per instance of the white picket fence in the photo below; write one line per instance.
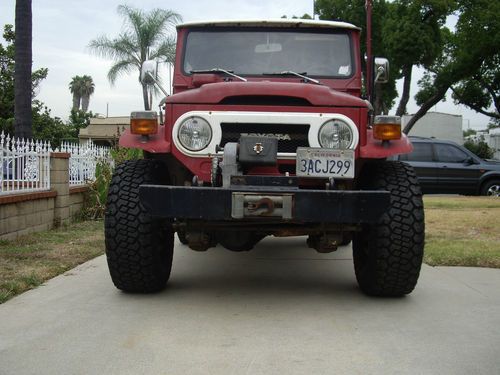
(25, 164)
(83, 160)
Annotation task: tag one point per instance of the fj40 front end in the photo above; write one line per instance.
(266, 133)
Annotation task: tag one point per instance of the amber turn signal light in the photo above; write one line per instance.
(386, 128)
(144, 122)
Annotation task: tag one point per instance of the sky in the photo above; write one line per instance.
(62, 30)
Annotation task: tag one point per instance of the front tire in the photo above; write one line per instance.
(139, 249)
(388, 254)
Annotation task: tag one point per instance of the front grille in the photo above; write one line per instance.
(290, 136)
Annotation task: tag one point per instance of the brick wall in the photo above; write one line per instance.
(26, 213)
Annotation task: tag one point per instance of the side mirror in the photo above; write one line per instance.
(469, 161)
(148, 72)
(381, 70)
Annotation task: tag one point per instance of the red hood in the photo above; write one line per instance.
(316, 95)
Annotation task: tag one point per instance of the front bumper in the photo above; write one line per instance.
(304, 206)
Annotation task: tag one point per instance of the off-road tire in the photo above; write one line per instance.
(388, 255)
(139, 248)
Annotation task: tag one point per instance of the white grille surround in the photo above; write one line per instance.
(216, 118)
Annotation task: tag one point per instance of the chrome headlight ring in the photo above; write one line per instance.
(336, 134)
(194, 133)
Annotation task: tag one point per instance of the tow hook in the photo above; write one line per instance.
(265, 205)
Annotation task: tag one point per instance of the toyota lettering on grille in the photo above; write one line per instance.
(280, 137)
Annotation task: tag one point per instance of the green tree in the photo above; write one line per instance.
(22, 72)
(48, 128)
(480, 148)
(470, 52)
(481, 91)
(80, 119)
(412, 34)
(87, 90)
(146, 36)
(75, 87)
(7, 66)
(81, 87)
(353, 11)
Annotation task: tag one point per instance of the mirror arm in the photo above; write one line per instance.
(157, 83)
(380, 71)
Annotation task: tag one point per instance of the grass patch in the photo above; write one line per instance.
(30, 260)
(462, 231)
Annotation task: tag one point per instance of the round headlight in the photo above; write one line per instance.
(335, 134)
(195, 133)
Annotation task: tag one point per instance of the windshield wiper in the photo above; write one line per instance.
(292, 73)
(219, 70)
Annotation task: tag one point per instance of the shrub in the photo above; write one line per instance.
(95, 201)
(480, 148)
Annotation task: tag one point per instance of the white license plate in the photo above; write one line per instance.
(320, 162)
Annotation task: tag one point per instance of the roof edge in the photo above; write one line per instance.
(281, 22)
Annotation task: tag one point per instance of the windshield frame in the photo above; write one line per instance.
(346, 32)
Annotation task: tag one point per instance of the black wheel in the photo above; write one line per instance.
(491, 188)
(388, 255)
(139, 248)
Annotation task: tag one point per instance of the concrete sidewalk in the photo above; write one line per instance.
(280, 309)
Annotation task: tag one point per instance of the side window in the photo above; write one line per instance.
(421, 152)
(450, 154)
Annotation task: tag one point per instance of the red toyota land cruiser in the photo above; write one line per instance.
(266, 133)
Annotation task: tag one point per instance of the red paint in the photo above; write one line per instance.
(316, 95)
(375, 149)
(206, 92)
(155, 143)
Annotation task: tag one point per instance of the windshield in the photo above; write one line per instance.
(247, 52)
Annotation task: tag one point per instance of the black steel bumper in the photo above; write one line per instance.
(307, 206)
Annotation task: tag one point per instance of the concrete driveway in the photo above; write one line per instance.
(280, 309)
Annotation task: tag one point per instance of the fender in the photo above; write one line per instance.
(491, 175)
(155, 144)
(375, 149)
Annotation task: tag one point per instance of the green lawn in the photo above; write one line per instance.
(462, 231)
(30, 260)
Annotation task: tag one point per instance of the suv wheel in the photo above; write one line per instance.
(388, 255)
(491, 188)
(139, 248)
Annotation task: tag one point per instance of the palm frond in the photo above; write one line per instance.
(119, 68)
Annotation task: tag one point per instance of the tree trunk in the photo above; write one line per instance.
(85, 102)
(76, 101)
(405, 96)
(22, 70)
(436, 98)
(145, 97)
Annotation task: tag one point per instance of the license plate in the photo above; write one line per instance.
(320, 162)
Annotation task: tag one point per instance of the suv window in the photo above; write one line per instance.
(421, 152)
(450, 154)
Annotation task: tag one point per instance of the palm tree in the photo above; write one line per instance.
(87, 89)
(145, 37)
(22, 70)
(75, 87)
(81, 87)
